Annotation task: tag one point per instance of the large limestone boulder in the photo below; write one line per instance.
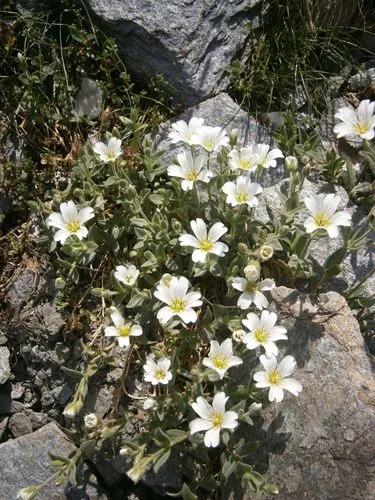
(190, 42)
(320, 445)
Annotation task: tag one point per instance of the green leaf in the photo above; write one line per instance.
(162, 438)
(161, 461)
(101, 292)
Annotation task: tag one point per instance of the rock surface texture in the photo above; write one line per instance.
(189, 42)
(4, 365)
(321, 444)
(24, 462)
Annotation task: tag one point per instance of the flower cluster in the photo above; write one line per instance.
(189, 274)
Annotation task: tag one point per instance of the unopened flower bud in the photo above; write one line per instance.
(70, 410)
(265, 252)
(124, 451)
(176, 226)
(91, 421)
(233, 137)
(149, 403)
(291, 163)
(238, 335)
(306, 170)
(252, 271)
(60, 283)
(242, 247)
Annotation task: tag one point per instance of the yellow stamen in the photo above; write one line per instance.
(361, 128)
(241, 197)
(124, 331)
(250, 287)
(244, 164)
(192, 175)
(321, 219)
(261, 335)
(220, 362)
(73, 226)
(217, 420)
(205, 245)
(160, 374)
(177, 305)
(274, 378)
(209, 144)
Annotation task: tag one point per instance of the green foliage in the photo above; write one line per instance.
(291, 58)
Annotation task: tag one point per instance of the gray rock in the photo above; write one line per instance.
(24, 461)
(189, 42)
(20, 424)
(219, 111)
(3, 425)
(357, 264)
(320, 445)
(362, 80)
(4, 365)
(27, 287)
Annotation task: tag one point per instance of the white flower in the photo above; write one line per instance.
(157, 372)
(242, 159)
(190, 169)
(70, 221)
(127, 274)
(205, 243)
(266, 157)
(183, 132)
(324, 215)
(179, 302)
(242, 191)
(211, 138)
(91, 421)
(265, 252)
(356, 122)
(252, 292)
(263, 332)
(212, 418)
(122, 330)
(276, 377)
(220, 358)
(108, 152)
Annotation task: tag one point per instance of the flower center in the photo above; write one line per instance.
(209, 144)
(244, 164)
(361, 127)
(124, 331)
(274, 378)
(73, 226)
(261, 335)
(241, 197)
(321, 219)
(177, 305)
(205, 245)
(251, 287)
(192, 175)
(217, 420)
(220, 362)
(159, 374)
